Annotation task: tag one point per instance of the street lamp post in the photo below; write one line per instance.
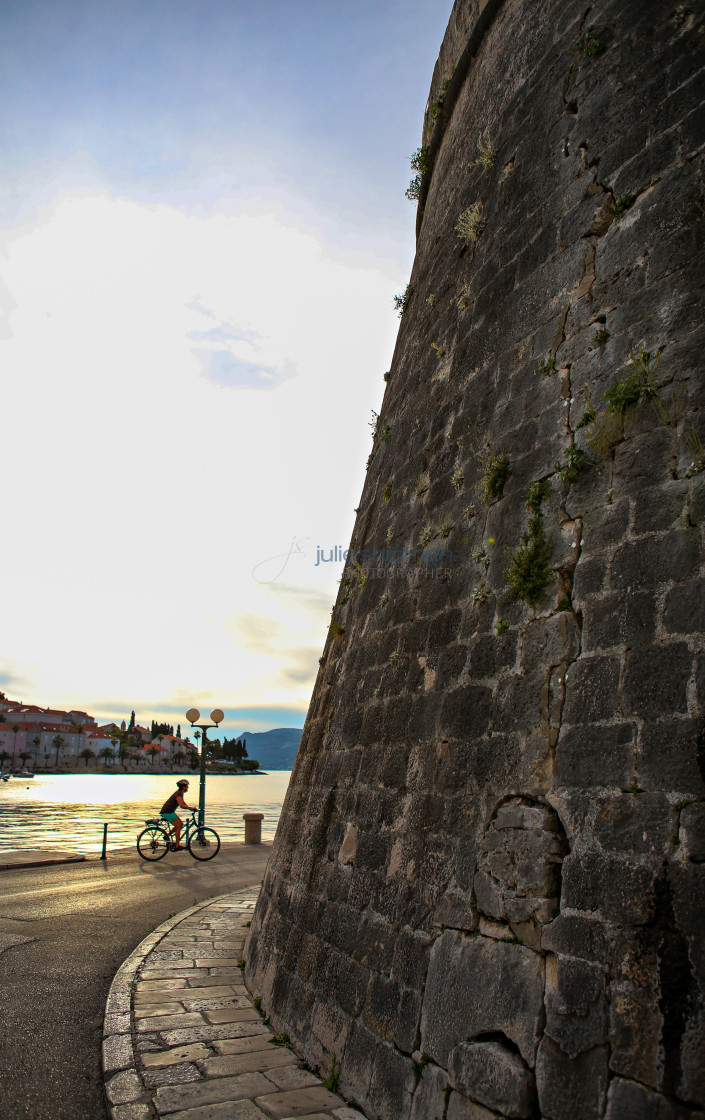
(193, 715)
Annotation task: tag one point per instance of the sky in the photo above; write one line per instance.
(202, 228)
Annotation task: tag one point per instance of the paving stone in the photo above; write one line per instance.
(117, 1052)
(175, 1097)
(117, 1024)
(233, 1015)
(135, 1111)
(165, 1022)
(204, 981)
(160, 985)
(148, 1043)
(259, 1061)
(229, 1110)
(297, 1102)
(346, 1113)
(211, 1032)
(179, 1074)
(244, 1045)
(176, 1055)
(217, 961)
(144, 1011)
(213, 1003)
(124, 1087)
(292, 1077)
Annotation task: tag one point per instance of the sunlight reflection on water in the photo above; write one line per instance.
(57, 811)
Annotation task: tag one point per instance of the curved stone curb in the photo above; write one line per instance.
(182, 1039)
(118, 1054)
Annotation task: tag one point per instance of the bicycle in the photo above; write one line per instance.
(159, 838)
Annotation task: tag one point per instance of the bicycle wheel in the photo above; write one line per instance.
(204, 843)
(153, 843)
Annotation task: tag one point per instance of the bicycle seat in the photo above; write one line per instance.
(153, 820)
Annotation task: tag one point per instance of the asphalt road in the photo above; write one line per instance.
(78, 922)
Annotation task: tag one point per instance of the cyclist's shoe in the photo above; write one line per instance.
(178, 848)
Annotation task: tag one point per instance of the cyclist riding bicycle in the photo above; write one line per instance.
(168, 811)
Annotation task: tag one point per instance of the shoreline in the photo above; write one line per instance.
(191, 774)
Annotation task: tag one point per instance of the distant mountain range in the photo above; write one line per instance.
(274, 750)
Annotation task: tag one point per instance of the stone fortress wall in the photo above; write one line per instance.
(485, 897)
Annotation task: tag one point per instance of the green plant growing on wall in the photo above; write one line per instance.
(360, 573)
(495, 472)
(622, 204)
(479, 595)
(463, 298)
(435, 108)
(401, 302)
(445, 529)
(383, 599)
(419, 164)
(337, 630)
(501, 626)
(427, 534)
(487, 156)
(394, 657)
(332, 1081)
(456, 479)
(440, 350)
(387, 492)
(480, 556)
(281, 1039)
(528, 571)
(589, 44)
(638, 385)
(470, 512)
(470, 223)
(623, 404)
(570, 471)
(431, 301)
(421, 485)
(544, 368)
(600, 336)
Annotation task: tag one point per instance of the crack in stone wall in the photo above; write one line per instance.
(485, 892)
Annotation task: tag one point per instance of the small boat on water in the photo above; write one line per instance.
(5, 777)
(21, 774)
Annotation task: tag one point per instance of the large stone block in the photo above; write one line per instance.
(476, 985)
(492, 1074)
(571, 1088)
(576, 1005)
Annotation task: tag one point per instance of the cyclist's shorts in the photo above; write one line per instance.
(168, 816)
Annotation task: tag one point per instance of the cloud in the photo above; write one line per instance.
(302, 667)
(226, 332)
(224, 368)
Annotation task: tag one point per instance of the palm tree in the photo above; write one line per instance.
(58, 743)
(24, 755)
(4, 755)
(106, 754)
(15, 728)
(36, 742)
(87, 754)
(124, 753)
(179, 758)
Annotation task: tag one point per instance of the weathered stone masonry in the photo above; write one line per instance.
(486, 891)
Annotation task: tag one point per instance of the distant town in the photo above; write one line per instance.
(52, 740)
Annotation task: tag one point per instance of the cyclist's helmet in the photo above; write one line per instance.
(183, 784)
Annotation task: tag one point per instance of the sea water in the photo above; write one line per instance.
(68, 811)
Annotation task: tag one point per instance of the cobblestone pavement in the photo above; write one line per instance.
(182, 1039)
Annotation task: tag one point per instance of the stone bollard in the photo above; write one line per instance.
(253, 827)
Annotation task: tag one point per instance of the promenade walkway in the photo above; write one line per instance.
(182, 1039)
